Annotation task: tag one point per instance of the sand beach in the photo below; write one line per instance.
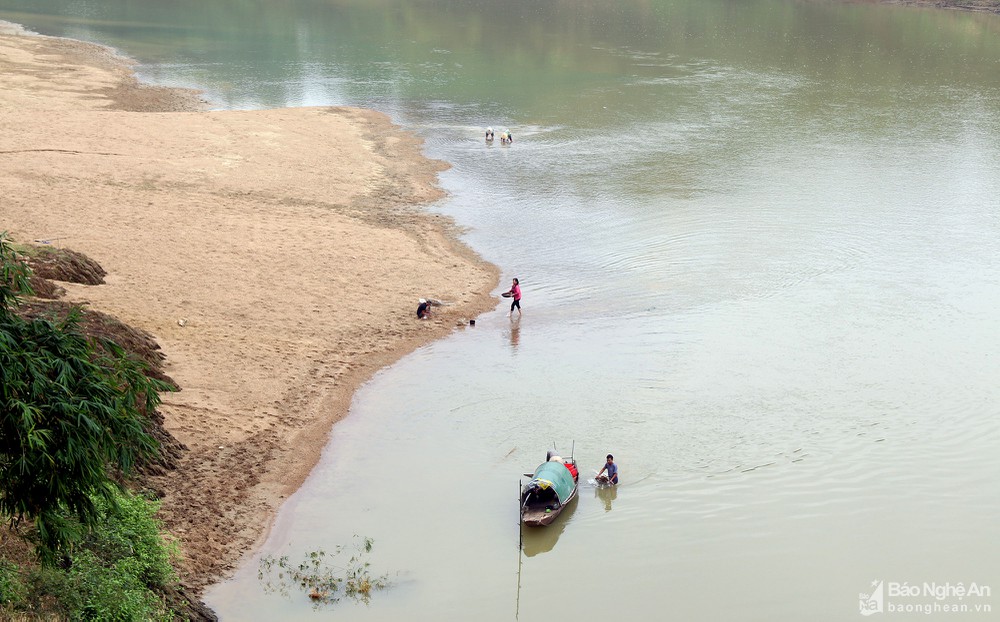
(277, 256)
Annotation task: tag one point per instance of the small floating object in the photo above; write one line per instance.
(317, 594)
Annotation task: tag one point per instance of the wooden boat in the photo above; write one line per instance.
(553, 485)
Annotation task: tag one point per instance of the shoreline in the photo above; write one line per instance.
(277, 257)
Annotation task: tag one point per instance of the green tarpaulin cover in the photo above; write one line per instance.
(554, 475)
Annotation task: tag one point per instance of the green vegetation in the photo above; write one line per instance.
(73, 418)
(13, 593)
(72, 414)
(323, 582)
(116, 572)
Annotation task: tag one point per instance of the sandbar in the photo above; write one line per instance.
(277, 256)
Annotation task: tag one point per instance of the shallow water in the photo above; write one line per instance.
(758, 245)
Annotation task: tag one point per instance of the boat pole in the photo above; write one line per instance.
(520, 549)
(517, 600)
(520, 529)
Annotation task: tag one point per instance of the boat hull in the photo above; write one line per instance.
(540, 516)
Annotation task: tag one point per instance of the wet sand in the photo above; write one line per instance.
(277, 256)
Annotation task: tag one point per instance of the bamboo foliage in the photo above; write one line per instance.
(72, 416)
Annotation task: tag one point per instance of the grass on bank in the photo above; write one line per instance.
(118, 571)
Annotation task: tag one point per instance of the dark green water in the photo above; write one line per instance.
(758, 242)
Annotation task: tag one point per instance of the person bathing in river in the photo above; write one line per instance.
(489, 134)
(612, 470)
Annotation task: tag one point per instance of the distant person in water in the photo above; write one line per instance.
(515, 294)
(612, 470)
(505, 138)
(489, 134)
(423, 310)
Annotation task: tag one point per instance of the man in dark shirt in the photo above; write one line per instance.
(612, 470)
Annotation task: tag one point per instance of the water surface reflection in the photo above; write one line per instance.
(538, 540)
(606, 494)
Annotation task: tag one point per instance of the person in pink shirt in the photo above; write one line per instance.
(515, 293)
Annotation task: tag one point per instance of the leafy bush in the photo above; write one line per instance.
(94, 591)
(116, 573)
(12, 591)
(129, 538)
(71, 414)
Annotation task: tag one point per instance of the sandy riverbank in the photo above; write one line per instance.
(276, 255)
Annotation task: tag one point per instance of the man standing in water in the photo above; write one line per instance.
(515, 293)
(612, 470)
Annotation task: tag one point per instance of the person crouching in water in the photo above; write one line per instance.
(489, 134)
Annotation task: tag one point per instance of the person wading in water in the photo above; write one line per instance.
(515, 293)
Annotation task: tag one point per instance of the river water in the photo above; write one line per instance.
(759, 244)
